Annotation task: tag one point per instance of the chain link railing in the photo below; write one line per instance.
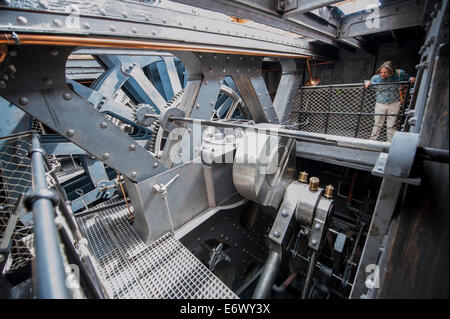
(348, 110)
(15, 179)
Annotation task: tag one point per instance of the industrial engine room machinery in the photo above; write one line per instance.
(187, 149)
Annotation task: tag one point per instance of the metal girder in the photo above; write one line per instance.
(265, 12)
(291, 79)
(302, 6)
(258, 12)
(396, 172)
(386, 18)
(435, 42)
(132, 20)
(206, 75)
(39, 88)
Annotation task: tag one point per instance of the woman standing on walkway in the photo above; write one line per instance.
(387, 97)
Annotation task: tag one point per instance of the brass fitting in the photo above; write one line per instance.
(303, 177)
(329, 191)
(314, 184)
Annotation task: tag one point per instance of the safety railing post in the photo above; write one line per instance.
(360, 110)
(328, 108)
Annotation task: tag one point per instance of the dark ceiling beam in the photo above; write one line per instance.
(389, 17)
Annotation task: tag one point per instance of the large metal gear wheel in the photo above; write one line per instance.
(139, 114)
(155, 144)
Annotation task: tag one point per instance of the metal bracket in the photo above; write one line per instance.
(217, 255)
(397, 165)
(103, 190)
(284, 218)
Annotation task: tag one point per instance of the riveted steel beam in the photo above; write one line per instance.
(38, 87)
(389, 17)
(267, 13)
(136, 20)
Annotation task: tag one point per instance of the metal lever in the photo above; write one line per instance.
(162, 190)
(81, 193)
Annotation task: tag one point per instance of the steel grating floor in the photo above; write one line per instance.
(359, 159)
(164, 269)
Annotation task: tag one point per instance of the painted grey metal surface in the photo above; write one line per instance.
(160, 212)
(436, 39)
(70, 115)
(399, 167)
(384, 18)
(291, 79)
(50, 266)
(267, 13)
(386, 202)
(133, 19)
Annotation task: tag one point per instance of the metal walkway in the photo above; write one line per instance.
(164, 269)
(364, 160)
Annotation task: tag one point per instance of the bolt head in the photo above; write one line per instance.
(53, 52)
(155, 165)
(57, 22)
(103, 124)
(132, 147)
(24, 100)
(48, 81)
(67, 96)
(284, 213)
(133, 174)
(70, 132)
(314, 242)
(276, 234)
(22, 20)
(317, 226)
(106, 156)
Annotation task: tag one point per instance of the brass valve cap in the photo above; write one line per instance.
(313, 184)
(303, 177)
(329, 191)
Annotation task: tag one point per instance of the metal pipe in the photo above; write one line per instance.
(318, 265)
(309, 274)
(61, 40)
(339, 86)
(349, 142)
(50, 272)
(433, 154)
(268, 276)
(286, 283)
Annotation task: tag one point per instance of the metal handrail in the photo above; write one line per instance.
(327, 86)
(331, 88)
(50, 267)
